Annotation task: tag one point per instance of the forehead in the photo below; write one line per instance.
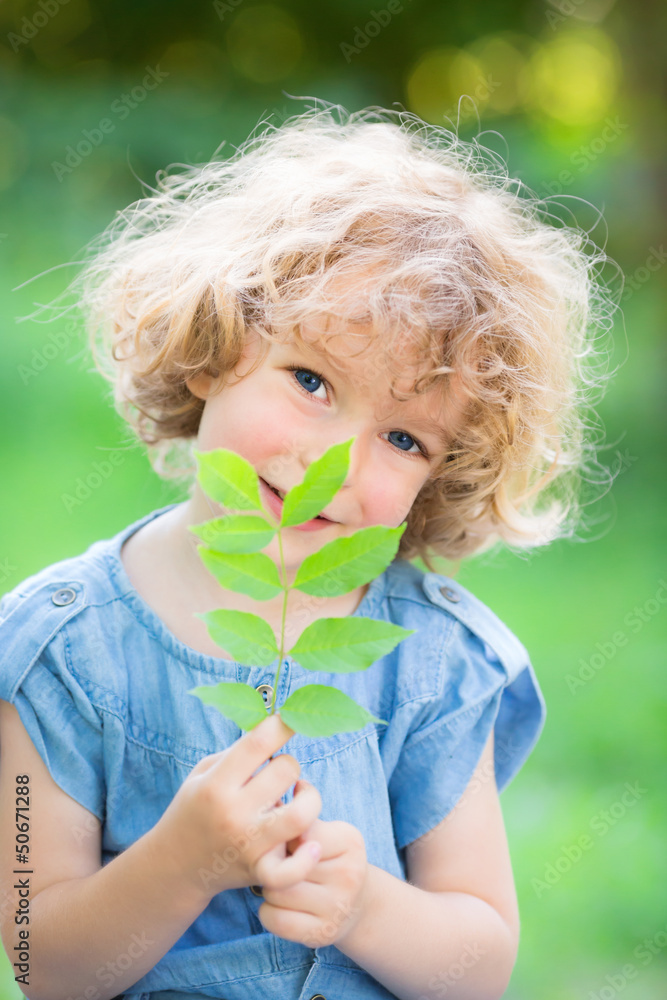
(361, 354)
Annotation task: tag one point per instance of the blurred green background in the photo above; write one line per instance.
(572, 94)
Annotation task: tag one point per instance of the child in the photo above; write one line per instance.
(364, 277)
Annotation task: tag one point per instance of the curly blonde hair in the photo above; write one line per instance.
(464, 264)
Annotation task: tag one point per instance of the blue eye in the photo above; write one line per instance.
(311, 383)
(309, 380)
(309, 377)
(404, 435)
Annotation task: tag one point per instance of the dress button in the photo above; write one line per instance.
(266, 692)
(256, 890)
(451, 595)
(64, 596)
(318, 996)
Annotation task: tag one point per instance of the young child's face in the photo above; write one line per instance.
(281, 420)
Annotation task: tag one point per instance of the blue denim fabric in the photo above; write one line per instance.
(101, 687)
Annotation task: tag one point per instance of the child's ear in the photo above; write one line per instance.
(201, 385)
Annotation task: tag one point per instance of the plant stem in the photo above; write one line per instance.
(286, 590)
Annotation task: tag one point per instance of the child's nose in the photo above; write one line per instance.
(359, 460)
(359, 455)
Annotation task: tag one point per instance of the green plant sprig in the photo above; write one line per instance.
(231, 553)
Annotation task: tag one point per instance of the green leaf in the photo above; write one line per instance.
(323, 478)
(235, 533)
(322, 710)
(247, 637)
(239, 702)
(342, 645)
(255, 575)
(346, 563)
(228, 479)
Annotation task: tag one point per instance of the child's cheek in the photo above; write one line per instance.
(279, 432)
(388, 491)
(252, 421)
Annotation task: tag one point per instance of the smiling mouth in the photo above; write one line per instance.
(274, 490)
(281, 496)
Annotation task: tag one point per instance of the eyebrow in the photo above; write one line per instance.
(428, 425)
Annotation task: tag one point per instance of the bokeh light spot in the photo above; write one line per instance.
(584, 10)
(265, 43)
(503, 64)
(574, 78)
(197, 62)
(439, 78)
(65, 24)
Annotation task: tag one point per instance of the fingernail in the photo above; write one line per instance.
(315, 848)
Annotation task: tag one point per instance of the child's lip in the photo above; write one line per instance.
(272, 487)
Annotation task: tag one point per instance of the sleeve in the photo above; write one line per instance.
(36, 676)
(446, 735)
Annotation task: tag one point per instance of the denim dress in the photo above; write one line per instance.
(101, 686)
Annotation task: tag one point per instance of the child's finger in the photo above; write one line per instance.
(305, 788)
(299, 786)
(280, 873)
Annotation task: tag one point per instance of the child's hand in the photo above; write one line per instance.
(326, 905)
(225, 828)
